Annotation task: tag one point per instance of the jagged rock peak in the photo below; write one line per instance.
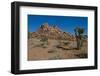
(52, 32)
(45, 25)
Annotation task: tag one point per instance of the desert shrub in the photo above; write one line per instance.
(65, 42)
(44, 46)
(52, 51)
(55, 57)
(38, 45)
(82, 55)
(44, 39)
(54, 54)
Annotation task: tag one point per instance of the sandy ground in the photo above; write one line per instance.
(52, 52)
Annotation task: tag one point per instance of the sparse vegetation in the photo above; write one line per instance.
(44, 39)
(66, 43)
(55, 57)
(51, 43)
(38, 45)
(52, 51)
(44, 46)
(82, 55)
(63, 45)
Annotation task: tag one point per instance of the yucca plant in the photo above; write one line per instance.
(79, 34)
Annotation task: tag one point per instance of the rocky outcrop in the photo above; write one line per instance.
(51, 32)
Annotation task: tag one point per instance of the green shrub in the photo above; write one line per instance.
(82, 55)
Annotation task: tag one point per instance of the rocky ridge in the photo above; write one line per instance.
(51, 32)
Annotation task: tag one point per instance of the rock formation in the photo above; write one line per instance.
(51, 32)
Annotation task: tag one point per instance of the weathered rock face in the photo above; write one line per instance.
(51, 32)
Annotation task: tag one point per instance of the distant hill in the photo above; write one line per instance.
(51, 32)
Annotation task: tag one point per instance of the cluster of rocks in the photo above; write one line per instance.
(51, 32)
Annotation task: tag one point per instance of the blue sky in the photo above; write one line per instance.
(65, 23)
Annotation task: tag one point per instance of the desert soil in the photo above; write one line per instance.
(52, 52)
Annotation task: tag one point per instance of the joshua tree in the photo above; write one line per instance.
(79, 34)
